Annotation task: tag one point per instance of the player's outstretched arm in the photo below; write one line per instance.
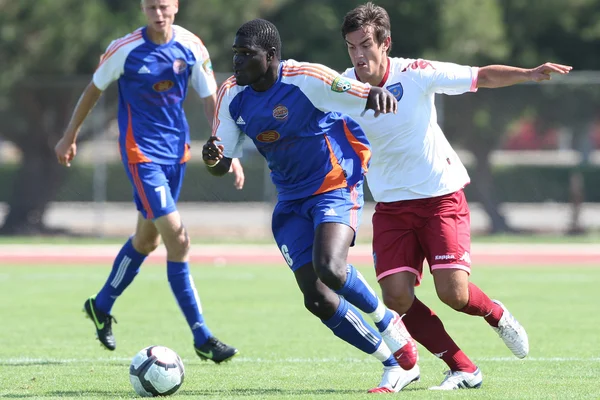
(495, 76)
(212, 154)
(381, 101)
(66, 148)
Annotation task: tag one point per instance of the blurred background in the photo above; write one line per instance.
(533, 150)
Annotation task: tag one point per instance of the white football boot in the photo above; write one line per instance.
(512, 333)
(402, 345)
(394, 379)
(460, 380)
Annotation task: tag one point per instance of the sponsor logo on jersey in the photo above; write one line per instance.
(207, 65)
(268, 136)
(340, 85)
(280, 112)
(179, 66)
(445, 257)
(163, 86)
(397, 90)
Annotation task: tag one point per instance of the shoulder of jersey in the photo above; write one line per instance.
(134, 38)
(188, 39)
(400, 64)
(229, 88)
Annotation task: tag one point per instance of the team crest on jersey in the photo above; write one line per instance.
(207, 65)
(268, 136)
(397, 90)
(280, 112)
(179, 66)
(340, 85)
(163, 86)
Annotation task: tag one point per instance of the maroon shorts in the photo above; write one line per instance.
(436, 229)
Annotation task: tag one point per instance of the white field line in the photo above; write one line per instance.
(122, 360)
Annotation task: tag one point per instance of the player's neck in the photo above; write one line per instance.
(377, 78)
(268, 79)
(160, 37)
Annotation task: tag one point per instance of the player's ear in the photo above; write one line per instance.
(176, 6)
(387, 42)
(271, 54)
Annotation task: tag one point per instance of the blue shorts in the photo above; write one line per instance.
(156, 187)
(294, 221)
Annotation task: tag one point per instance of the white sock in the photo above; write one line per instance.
(379, 312)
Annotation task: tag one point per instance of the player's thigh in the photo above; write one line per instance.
(446, 238)
(151, 190)
(336, 217)
(396, 248)
(293, 233)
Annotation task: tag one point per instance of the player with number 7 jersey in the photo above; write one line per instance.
(152, 67)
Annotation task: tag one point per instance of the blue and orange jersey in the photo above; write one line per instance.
(153, 82)
(301, 125)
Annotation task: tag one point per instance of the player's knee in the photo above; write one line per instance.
(452, 296)
(319, 306)
(145, 245)
(331, 272)
(398, 300)
(178, 245)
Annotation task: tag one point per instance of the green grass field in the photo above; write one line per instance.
(49, 349)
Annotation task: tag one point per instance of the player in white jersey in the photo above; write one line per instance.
(417, 180)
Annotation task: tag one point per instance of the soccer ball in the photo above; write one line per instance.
(156, 371)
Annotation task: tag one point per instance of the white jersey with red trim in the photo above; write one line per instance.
(412, 159)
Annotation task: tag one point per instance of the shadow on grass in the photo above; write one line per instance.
(240, 392)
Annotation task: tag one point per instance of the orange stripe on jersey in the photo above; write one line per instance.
(134, 154)
(140, 190)
(117, 45)
(325, 76)
(335, 178)
(186, 155)
(361, 149)
(229, 83)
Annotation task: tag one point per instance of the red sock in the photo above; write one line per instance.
(481, 305)
(427, 329)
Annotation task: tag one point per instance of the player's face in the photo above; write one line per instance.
(160, 14)
(366, 54)
(249, 61)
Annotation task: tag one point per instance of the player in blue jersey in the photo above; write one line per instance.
(152, 67)
(317, 158)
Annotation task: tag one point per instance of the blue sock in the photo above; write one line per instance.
(358, 292)
(125, 268)
(185, 292)
(348, 324)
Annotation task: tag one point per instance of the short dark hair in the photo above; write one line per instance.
(368, 15)
(263, 33)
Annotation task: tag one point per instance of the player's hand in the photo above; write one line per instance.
(65, 151)
(381, 101)
(211, 152)
(238, 172)
(544, 71)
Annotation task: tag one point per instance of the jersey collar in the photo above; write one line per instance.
(385, 76)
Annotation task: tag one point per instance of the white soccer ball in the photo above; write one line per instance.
(156, 371)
